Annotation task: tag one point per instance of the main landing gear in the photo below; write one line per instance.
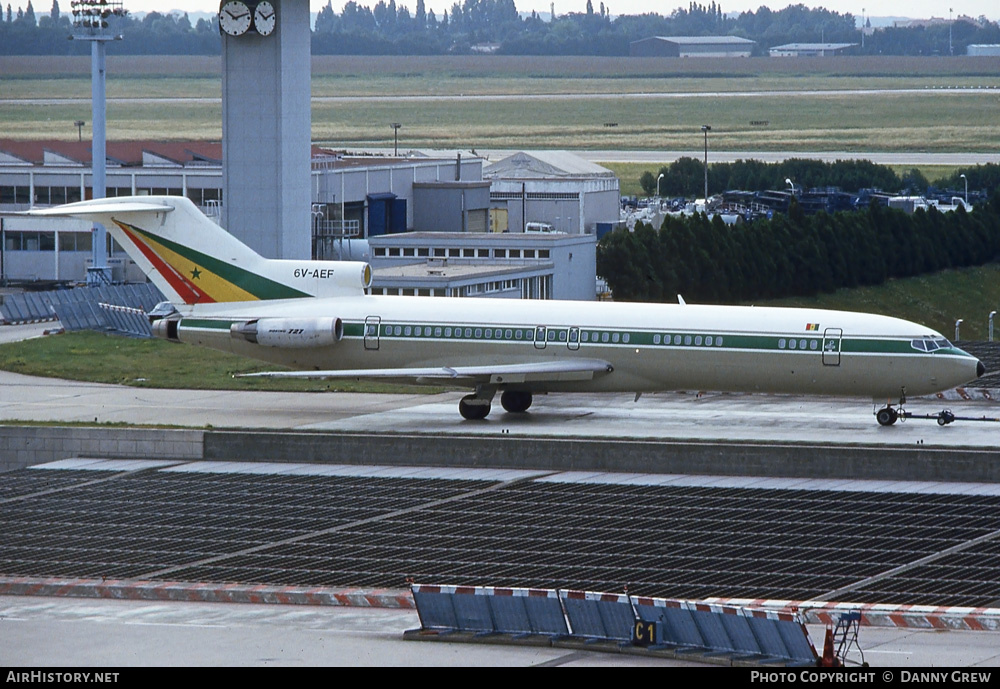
(477, 405)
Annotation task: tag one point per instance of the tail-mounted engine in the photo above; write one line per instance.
(294, 333)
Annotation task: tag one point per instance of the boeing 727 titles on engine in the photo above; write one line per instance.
(316, 317)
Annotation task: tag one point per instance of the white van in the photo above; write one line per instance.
(538, 227)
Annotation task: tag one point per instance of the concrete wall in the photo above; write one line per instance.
(22, 446)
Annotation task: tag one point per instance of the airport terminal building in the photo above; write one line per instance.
(364, 207)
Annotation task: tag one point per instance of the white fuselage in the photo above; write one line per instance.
(651, 347)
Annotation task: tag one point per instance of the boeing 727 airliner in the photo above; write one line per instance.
(315, 316)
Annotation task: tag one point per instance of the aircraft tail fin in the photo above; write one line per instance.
(192, 260)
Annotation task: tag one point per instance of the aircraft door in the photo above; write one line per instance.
(831, 346)
(540, 337)
(372, 326)
(574, 339)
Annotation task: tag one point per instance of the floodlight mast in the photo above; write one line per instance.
(91, 23)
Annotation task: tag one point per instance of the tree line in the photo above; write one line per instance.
(686, 177)
(469, 26)
(789, 255)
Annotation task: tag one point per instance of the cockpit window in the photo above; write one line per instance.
(930, 344)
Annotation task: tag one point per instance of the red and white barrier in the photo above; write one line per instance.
(881, 615)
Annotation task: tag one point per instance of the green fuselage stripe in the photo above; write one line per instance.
(604, 337)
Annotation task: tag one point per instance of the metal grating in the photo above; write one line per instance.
(673, 541)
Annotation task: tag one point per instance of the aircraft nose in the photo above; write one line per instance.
(980, 369)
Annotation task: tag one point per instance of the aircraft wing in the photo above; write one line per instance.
(557, 370)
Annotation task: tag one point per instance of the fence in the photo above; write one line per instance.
(111, 308)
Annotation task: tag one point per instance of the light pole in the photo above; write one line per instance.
(791, 184)
(957, 324)
(79, 129)
(966, 189)
(706, 129)
(658, 184)
(992, 314)
(395, 138)
(951, 50)
(92, 22)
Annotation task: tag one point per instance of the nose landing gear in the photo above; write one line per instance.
(889, 414)
(886, 416)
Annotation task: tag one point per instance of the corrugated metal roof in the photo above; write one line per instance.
(544, 164)
(702, 40)
(813, 46)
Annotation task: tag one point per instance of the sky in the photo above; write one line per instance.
(916, 9)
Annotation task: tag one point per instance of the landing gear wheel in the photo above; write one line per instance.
(474, 408)
(515, 401)
(886, 416)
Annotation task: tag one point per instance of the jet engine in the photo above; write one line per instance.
(293, 333)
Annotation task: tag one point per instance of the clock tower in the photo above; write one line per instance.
(266, 125)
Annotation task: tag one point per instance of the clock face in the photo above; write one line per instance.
(264, 18)
(234, 18)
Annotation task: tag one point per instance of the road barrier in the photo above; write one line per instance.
(750, 635)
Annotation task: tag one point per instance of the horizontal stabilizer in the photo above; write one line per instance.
(531, 372)
(84, 209)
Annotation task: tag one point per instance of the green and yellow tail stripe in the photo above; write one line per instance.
(199, 278)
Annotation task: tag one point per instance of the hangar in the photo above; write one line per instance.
(554, 190)
(691, 46)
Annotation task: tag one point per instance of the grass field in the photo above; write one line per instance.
(935, 301)
(151, 363)
(481, 102)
